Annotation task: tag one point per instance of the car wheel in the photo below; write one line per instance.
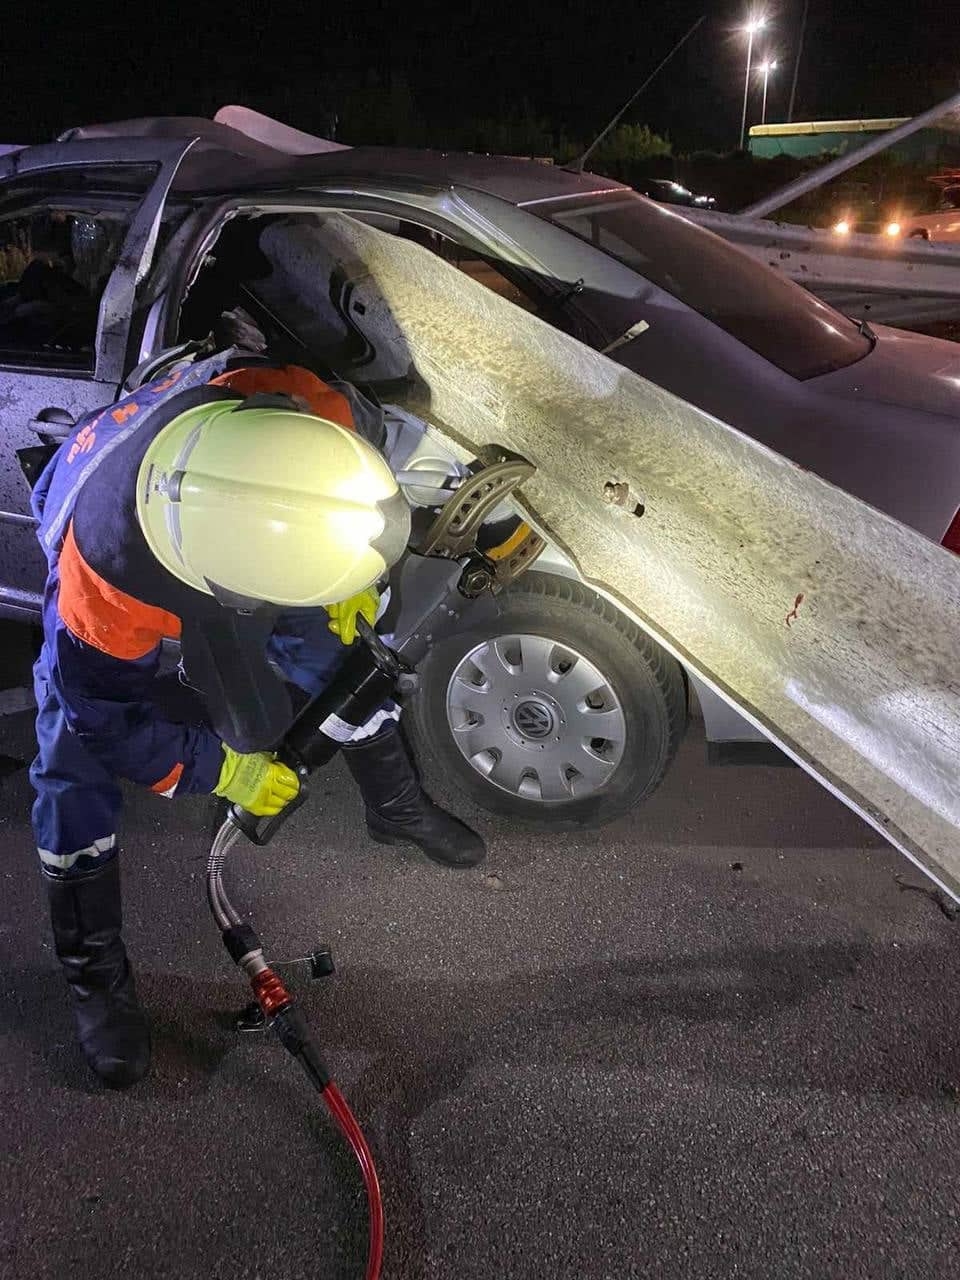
(919, 234)
(560, 711)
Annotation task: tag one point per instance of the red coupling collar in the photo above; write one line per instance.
(272, 995)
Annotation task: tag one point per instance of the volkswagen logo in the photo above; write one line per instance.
(533, 719)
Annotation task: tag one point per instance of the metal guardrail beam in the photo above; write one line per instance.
(854, 260)
(828, 624)
(907, 282)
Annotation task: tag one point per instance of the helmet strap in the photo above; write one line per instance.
(269, 400)
(231, 600)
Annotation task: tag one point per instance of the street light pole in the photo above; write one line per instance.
(751, 29)
(766, 69)
(796, 62)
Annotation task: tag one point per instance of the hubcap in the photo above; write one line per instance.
(536, 718)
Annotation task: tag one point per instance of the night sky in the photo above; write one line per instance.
(574, 62)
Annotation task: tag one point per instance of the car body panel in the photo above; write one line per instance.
(24, 397)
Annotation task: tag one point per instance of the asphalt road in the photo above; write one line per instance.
(714, 1040)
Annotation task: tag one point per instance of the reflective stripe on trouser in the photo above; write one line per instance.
(78, 800)
(389, 711)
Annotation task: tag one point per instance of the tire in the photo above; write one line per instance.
(919, 234)
(557, 629)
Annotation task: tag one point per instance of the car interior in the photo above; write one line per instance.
(276, 271)
(275, 268)
(54, 265)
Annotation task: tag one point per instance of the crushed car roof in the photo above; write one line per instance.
(226, 159)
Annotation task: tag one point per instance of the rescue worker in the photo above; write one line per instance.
(231, 506)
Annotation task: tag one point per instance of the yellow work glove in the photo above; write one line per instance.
(258, 783)
(343, 616)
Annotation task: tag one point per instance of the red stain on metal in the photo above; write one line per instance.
(793, 612)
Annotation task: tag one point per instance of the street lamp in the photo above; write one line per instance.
(752, 27)
(766, 68)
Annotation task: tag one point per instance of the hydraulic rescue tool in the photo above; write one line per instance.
(442, 576)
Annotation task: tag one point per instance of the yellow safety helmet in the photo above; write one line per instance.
(257, 504)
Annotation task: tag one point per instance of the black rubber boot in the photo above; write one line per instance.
(112, 1030)
(398, 810)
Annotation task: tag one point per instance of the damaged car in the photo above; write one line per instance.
(121, 243)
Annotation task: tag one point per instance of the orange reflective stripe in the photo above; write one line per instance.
(290, 380)
(86, 439)
(105, 617)
(124, 412)
(167, 383)
(166, 786)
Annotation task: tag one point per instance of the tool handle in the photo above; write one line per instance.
(387, 659)
(260, 831)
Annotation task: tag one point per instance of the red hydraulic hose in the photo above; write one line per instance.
(340, 1110)
(278, 1007)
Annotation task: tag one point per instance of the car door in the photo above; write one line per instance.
(78, 226)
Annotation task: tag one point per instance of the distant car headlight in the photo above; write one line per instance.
(841, 228)
(892, 229)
